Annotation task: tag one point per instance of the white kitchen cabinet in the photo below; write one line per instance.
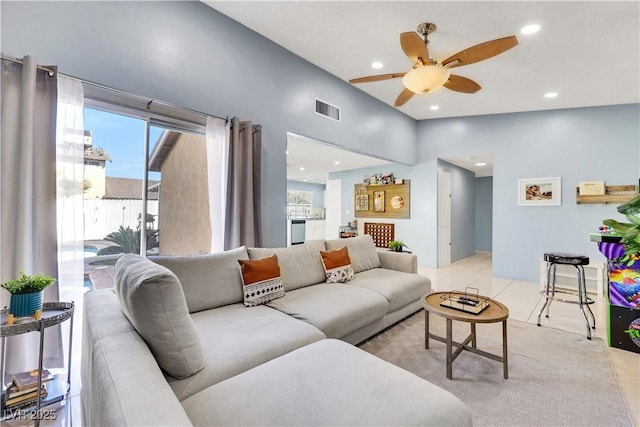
(315, 229)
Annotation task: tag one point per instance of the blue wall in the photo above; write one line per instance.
(583, 144)
(413, 230)
(189, 55)
(484, 212)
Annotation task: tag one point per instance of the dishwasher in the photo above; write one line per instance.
(297, 231)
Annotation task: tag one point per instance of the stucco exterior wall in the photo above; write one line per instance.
(96, 176)
(184, 222)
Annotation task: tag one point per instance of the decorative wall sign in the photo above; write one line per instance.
(539, 192)
(397, 202)
(378, 201)
(392, 200)
(362, 202)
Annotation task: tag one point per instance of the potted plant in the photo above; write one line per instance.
(628, 231)
(26, 293)
(396, 245)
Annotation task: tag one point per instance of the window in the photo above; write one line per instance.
(145, 179)
(299, 203)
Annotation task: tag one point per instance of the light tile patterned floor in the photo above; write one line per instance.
(522, 298)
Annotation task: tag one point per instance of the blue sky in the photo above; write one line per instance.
(123, 138)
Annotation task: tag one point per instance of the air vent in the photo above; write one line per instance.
(327, 110)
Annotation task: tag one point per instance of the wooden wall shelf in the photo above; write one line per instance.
(614, 194)
(382, 201)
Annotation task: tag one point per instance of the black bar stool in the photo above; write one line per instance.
(555, 258)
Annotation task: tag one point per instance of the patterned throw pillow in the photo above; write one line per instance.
(261, 280)
(337, 265)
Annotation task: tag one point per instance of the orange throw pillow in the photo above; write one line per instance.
(337, 265)
(261, 280)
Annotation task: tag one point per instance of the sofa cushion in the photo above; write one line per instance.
(152, 299)
(335, 309)
(114, 356)
(261, 280)
(300, 265)
(208, 281)
(327, 383)
(236, 339)
(337, 265)
(399, 288)
(362, 251)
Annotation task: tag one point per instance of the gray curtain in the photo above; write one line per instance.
(243, 220)
(28, 193)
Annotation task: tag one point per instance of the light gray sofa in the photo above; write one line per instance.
(174, 344)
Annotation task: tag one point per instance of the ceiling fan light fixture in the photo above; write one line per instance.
(426, 79)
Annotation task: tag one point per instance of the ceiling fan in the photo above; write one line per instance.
(427, 74)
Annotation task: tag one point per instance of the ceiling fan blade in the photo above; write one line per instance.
(377, 78)
(461, 84)
(480, 52)
(404, 96)
(414, 47)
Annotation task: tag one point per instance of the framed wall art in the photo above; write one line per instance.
(362, 202)
(540, 192)
(378, 201)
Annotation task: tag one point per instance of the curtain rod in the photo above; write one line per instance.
(84, 81)
(39, 67)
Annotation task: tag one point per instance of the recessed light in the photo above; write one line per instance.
(301, 169)
(286, 152)
(551, 94)
(377, 64)
(481, 164)
(337, 162)
(530, 29)
(434, 107)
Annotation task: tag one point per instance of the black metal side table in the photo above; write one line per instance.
(53, 313)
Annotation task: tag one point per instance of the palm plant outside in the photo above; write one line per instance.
(127, 240)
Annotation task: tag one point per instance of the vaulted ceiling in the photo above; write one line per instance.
(588, 52)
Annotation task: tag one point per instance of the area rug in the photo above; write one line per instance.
(556, 378)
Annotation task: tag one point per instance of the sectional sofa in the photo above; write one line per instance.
(175, 343)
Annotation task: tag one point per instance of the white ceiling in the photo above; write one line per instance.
(319, 159)
(586, 51)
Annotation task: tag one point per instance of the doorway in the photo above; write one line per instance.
(444, 218)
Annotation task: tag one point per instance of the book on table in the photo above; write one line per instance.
(25, 398)
(29, 379)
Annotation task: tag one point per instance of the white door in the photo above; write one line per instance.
(333, 208)
(444, 218)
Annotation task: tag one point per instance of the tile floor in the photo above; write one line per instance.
(522, 298)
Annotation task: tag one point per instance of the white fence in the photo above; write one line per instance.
(102, 217)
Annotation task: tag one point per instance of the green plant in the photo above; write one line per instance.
(127, 240)
(28, 284)
(628, 231)
(396, 245)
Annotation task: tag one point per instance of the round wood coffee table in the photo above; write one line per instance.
(495, 312)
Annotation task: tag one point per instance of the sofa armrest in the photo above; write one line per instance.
(121, 382)
(399, 261)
